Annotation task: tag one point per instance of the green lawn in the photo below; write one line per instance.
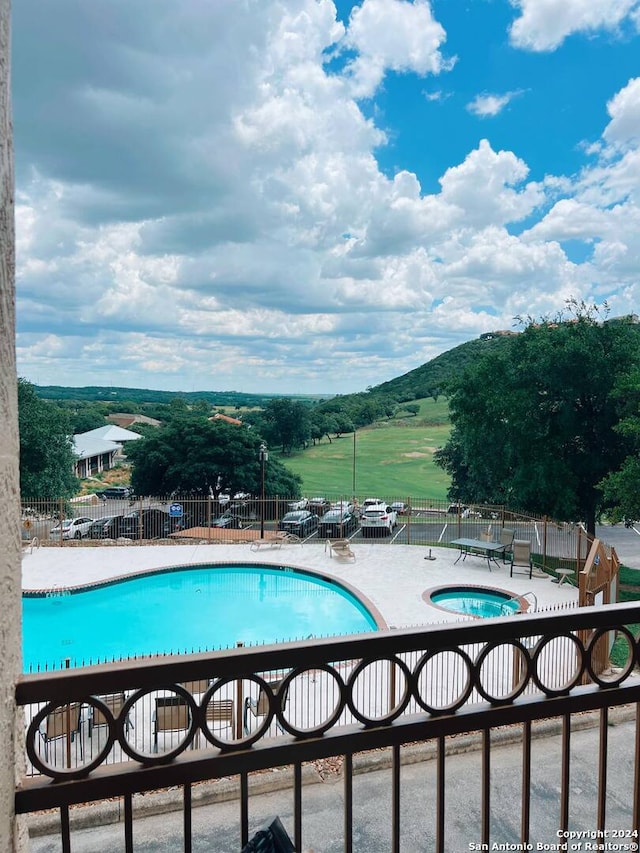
(393, 459)
(630, 580)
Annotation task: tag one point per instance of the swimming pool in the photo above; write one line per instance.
(485, 602)
(185, 609)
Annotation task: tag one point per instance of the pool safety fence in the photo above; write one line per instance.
(309, 699)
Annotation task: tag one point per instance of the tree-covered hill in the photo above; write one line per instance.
(434, 377)
(101, 394)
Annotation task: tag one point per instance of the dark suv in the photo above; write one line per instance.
(115, 492)
(148, 524)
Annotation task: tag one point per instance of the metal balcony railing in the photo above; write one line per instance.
(112, 731)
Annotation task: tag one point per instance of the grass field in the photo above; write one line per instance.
(393, 459)
(629, 591)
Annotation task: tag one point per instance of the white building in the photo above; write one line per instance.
(100, 449)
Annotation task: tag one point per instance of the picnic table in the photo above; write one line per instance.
(479, 548)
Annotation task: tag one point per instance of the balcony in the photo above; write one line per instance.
(233, 715)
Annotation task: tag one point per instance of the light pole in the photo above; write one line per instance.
(264, 457)
(354, 465)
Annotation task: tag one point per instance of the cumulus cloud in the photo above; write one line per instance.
(201, 200)
(393, 35)
(545, 24)
(624, 108)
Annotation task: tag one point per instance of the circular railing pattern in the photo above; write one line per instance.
(308, 702)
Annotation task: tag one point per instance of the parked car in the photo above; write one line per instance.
(378, 517)
(107, 527)
(71, 528)
(247, 510)
(300, 521)
(227, 519)
(337, 523)
(151, 523)
(345, 506)
(369, 502)
(319, 505)
(115, 492)
(401, 508)
(299, 503)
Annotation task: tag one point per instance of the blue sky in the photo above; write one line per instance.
(307, 196)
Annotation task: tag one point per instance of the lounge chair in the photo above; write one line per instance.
(276, 540)
(114, 702)
(260, 707)
(271, 838)
(521, 556)
(64, 721)
(340, 548)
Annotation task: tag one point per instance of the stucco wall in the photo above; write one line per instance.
(11, 840)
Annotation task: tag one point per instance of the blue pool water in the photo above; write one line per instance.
(185, 610)
(476, 601)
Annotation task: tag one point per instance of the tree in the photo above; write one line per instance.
(86, 418)
(410, 408)
(201, 457)
(620, 488)
(534, 423)
(46, 450)
(286, 422)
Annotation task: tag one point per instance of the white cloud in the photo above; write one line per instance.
(394, 35)
(545, 24)
(490, 105)
(624, 108)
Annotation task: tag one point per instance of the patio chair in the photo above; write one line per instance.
(506, 539)
(222, 711)
(260, 707)
(64, 721)
(171, 715)
(271, 838)
(521, 556)
(114, 702)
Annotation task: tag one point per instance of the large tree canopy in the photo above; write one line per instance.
(622, 487)
(46, 451)
(201, 457)
(534, 423)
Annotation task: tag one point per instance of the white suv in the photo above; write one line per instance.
(378, 517)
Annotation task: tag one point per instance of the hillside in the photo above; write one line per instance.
(435, 375)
